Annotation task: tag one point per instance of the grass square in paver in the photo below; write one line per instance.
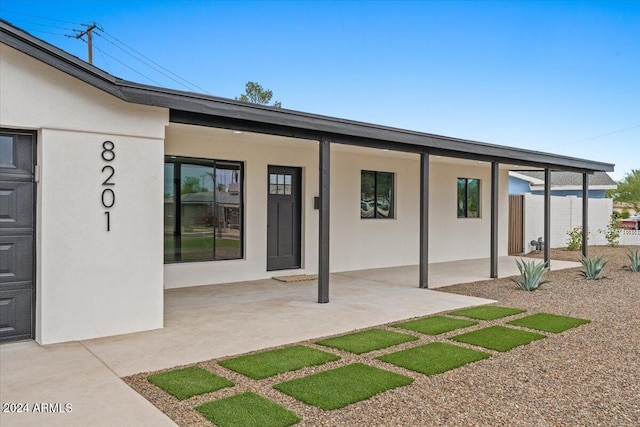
(342, 386)
(498, 338)
(549, 322)
(366, 341)
(487, 312)
(247, 409)
(434, 358)
(188, 382)
(435, 325)
(273, 362)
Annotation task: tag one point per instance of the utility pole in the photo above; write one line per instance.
(87, 32)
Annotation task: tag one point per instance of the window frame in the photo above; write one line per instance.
(178, 162)
(375, 192)
(466, 198)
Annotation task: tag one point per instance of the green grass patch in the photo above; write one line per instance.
(366, 341)
(273, 362)
(342, 386)
(435, 325)
(487, 312)
(434, 358)
(247, 409)
(498, 338)
(188, 382)
(549, 322)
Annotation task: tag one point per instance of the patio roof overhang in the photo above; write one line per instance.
(204, 110)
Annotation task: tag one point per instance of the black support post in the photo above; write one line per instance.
(323, 238)
(494, 218)
(585, 214)
(424, 220)
(547, 216)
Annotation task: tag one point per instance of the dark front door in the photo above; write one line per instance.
(17, 160)
(283, 218)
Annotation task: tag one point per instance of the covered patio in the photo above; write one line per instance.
(206, 322)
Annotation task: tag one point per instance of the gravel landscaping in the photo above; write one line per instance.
(589, 375)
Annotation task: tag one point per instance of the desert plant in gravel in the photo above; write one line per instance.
(531, 275)
(634, 258)
(593, 267)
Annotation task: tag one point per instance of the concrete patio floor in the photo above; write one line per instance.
(214, 321)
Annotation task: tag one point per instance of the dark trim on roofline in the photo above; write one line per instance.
(203, 110)
(398, 142)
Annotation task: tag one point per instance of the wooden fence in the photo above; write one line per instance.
(516, 215)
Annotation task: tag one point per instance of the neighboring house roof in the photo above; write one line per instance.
(561, 180)
(205, 110)
(222, 198)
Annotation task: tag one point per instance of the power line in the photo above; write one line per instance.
(20, 21)
(132, 69)
(592, 137)
(49, 32)
(190, 85)
(40, 17)
(193, 85)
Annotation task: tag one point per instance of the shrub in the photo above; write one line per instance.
(634, 258)
(624, 214)
(530, 275)
(612, 232)
(575, 239)
(593, 267)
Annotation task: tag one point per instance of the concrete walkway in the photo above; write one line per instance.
(213, 321)
(68, 374)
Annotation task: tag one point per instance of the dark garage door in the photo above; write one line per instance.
(17, 160)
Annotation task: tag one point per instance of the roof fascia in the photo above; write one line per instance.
(364, 134)
(573, 187)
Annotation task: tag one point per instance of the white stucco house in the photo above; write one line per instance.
(113, 191)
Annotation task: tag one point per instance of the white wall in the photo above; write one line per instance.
(358, 243)
(355, 243)
(90, 282)
(566, 214)
(454, 238)
(36, 96)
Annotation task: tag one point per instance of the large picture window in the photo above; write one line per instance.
(203, 210)
(468, 198)
(376, 195)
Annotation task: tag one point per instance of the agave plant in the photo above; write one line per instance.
(634, 257)
(593, 267)
(530, 275)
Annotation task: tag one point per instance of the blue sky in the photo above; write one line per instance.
(553, 76)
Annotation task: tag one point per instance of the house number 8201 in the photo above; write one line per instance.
(108, 197)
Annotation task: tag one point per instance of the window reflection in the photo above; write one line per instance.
(280, 184)
(207, 225)
(376, 194)
(468, 198)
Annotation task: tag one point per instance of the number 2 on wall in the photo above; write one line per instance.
(108, 196)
